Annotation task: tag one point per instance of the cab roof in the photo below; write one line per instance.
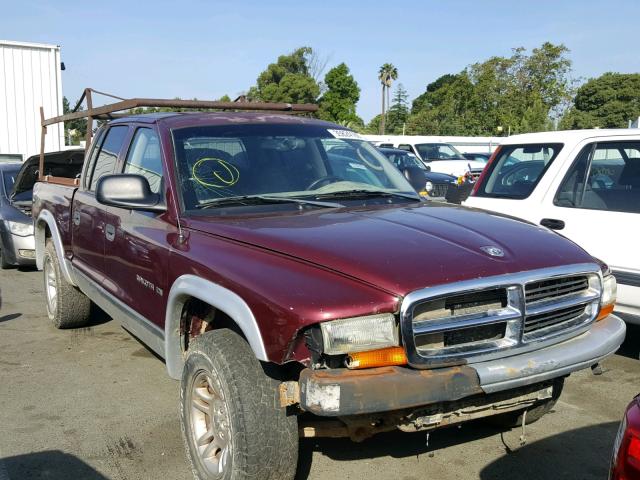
(569, 136)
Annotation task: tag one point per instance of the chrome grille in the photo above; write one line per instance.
(555, 287)
(476, 320)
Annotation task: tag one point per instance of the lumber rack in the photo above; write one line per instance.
(109, 112)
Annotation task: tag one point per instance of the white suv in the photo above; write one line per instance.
(540, 177)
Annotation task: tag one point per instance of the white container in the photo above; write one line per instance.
(30, 77)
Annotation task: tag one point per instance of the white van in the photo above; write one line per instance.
(584, 184)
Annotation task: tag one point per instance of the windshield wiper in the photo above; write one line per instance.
(262, 200)
(366, 194)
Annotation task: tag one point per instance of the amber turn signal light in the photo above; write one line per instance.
(384, 357)
(605, 311)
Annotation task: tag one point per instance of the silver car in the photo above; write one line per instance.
(17, 243)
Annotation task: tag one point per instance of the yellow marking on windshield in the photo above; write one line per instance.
(228, 177)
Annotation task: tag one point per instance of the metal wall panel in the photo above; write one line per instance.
(30, 77)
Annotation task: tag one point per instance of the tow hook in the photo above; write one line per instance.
(596, 369)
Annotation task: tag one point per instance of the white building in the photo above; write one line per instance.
(30, 77)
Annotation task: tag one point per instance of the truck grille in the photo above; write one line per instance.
(453, 323)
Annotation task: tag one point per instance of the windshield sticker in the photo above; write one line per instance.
(345, 134)
(357, 165)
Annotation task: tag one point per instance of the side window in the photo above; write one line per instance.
(95, 148)
(144, 158)
(108, 154)
(605, 176)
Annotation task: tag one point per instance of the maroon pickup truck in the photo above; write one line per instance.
(296, 284)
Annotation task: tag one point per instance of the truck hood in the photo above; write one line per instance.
(401, 248)
(455, 167)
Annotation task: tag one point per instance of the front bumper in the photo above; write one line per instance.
(342, 392)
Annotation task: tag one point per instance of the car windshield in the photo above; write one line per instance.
(517, 170)
(9, 178)
(438, 151)
(219, 163)
(402, 159)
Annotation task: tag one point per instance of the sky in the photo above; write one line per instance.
(205, 49)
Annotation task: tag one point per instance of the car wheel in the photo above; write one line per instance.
(232, 425)
(67, 307)
(535, 413)
(4, 265)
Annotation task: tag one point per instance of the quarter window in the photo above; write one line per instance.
(605, 176)
(144, 158)
(108, 155)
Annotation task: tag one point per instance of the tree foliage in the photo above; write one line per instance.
(74, 130)
(522, 93)
(608, 101)
(398, 111)
(288, 80)
(338, 103)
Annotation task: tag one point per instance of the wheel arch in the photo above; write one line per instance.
(188, 287)
(46, 227)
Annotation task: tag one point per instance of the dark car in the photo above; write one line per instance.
(17, 246)
(625, 461)
(436, 185)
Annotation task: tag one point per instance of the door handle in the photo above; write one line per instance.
(110, 232)
(552, 223)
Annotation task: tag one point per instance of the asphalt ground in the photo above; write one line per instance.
(94, 403)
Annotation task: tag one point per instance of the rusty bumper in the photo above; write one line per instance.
(353, 392)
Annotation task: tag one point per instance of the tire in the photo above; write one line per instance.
(514, 419)
(254, 438)
(67, 307)
(4, 265)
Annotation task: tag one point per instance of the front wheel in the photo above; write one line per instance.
(233, 427)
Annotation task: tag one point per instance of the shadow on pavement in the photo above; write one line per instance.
(50, 465)
(391, 444)
(631, 346)
(583, 453)
(11, 316)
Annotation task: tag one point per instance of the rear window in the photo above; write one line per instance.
(517, 170)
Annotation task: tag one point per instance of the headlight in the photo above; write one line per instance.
(609, 296)
(428, 187)
(359, 334)
(21, 229)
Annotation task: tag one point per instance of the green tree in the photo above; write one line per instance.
(386, 74)
(74, 130)
(287, 80)
(338, 103)
(521, 93)
(398, 111)
(608, 101)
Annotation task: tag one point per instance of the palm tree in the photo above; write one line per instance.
(387, 74)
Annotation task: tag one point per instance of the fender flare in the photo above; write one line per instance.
(192, 286)
(46, 218)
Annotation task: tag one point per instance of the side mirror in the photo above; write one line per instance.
(416, 177)
(130, 191)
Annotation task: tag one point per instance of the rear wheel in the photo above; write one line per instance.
(233, 427)
(67, 307)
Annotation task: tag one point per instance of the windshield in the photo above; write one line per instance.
(9, 178)
(517, 169)
(438, 151)
(288, 161)
(403, 160)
